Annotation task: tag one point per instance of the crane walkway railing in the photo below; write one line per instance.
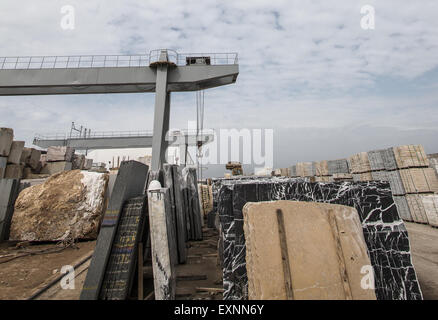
(117, 134)
(109, 61)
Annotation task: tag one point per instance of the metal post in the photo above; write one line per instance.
(161, 114)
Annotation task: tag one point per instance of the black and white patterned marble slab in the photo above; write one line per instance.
(385, 233)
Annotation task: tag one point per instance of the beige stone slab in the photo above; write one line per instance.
(14, 171)
(410, 156)
(416, 207)
(31, 157)
(359, 163)
(15, 153)
(55, 167)
(419, 180)
(60, 154)
(325, 248)
(430, 203)
(6, 138)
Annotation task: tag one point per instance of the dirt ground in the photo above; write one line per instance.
(199, 278)
(21, 277)
(424, 248)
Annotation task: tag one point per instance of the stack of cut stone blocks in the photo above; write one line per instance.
(413, 177)
(58, 159)
(16, 161)
(10, 175)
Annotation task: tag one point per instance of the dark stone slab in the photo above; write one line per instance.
(384, 231)
(129, 183)
(122, 263)
(173, 182)
(190, 192)
(9, 189)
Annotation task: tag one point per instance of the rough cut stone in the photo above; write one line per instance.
(68, 205)
(16, 151)
(30, 157)
(3, 164)
(60, 154)
(14, 171)
(56, 167)
(410, 156)
(78, 161)
(403, 208)
(359, 163)
(88, 164)
(322, 246)
(416, 208)
(419, 180)
(9, 189)
(337, 166)
(6, 138)
(430, 203)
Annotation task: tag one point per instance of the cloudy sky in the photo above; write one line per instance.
(308, 70)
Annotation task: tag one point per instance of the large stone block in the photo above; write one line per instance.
(3, 164)
(129, 183)
(311, 251)
(88, 163)
(430, 204)
(6, 138)
(56, 167)
(60, 154)
(9, 189)
(410, 156)
(30, 157)
(14, 171)
(384, 231)
(16, 151)
(68, 205)
(78, 161)
(359, 163)
(419, 180)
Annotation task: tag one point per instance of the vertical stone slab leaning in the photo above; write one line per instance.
(9, 189)
(161, 234)
(129, 183)
(6, 138)
(173, 182)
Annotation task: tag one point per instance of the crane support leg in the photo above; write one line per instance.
(161, 119)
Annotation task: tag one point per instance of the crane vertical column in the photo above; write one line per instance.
(161, 112)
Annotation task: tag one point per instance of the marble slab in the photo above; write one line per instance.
(384, 231)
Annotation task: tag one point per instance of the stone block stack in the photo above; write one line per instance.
(413, 182)
(58, 159)
(433, 161)
(306, 169)
(16, 161)
(360, 167)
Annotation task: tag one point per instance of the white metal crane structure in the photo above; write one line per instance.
(161, 71)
